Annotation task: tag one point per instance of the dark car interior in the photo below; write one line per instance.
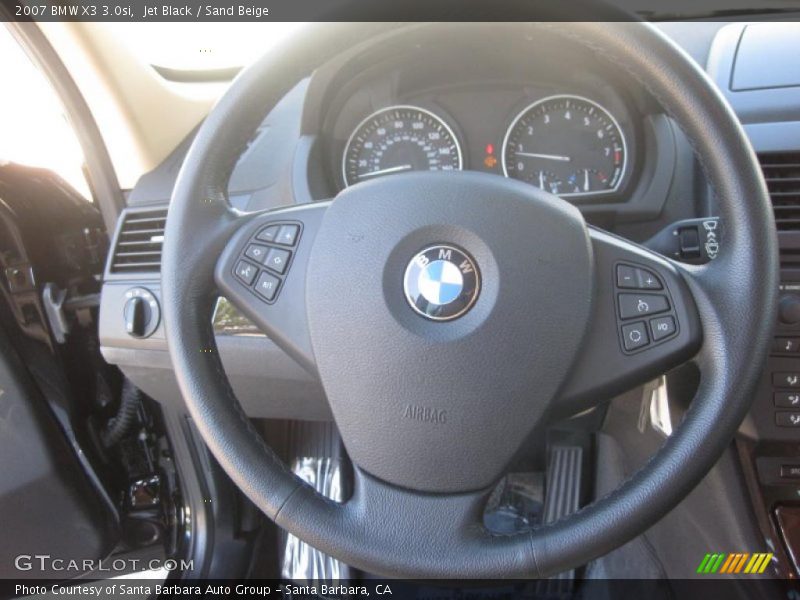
(246, 363)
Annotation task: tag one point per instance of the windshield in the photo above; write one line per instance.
(200, 46)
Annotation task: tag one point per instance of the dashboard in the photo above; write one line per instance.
(560, 119)
(573, 133)
(576, 126)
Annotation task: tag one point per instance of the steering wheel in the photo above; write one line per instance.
(450, 316)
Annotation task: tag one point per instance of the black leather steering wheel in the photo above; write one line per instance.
(431, 411)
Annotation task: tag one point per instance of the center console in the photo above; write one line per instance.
(752, 66)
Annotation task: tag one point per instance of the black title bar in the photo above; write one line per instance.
(388, 10)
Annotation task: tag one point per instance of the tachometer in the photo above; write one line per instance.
(399, 139)
(566, 145)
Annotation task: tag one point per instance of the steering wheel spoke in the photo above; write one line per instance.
(644, 322)
(262, 272)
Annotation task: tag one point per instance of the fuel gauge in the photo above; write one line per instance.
(584, 181)
(547, 181)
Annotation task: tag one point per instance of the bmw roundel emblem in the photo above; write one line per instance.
(441, 282)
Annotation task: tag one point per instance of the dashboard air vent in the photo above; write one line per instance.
(138, 248)
(782, 172)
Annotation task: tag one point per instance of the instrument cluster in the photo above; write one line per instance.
(569, 144)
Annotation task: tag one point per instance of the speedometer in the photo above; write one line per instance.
(400, 139)
(566, 145)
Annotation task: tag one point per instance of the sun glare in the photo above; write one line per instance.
(34, 129)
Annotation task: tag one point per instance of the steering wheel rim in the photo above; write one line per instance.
(388, 529)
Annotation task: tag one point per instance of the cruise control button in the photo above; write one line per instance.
(637, 278)
(245, 272)
(256, 252)
(268, 234)
(287, 235)
(626, 277)
(267, 286)
(634, 336)
(787, 419)
(662, 327)
(647, 280)
(787, 399)
(785, 380)
(277, 259)
(641, 305)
